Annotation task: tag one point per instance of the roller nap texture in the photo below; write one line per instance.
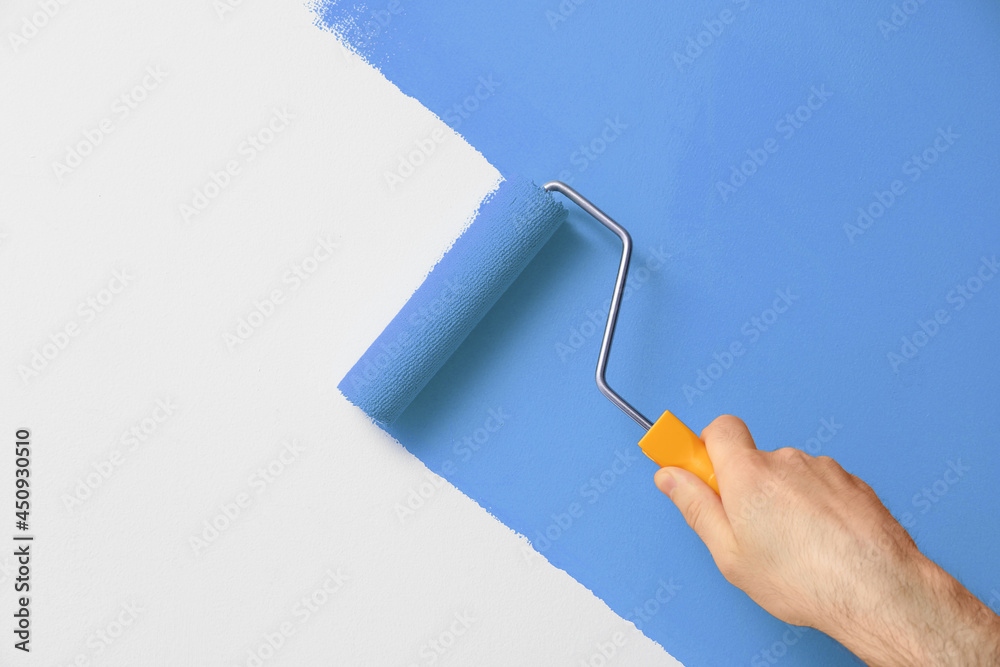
(512, 224)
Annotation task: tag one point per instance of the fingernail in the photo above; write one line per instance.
(665, 481)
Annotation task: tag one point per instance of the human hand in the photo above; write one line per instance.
(813, 545)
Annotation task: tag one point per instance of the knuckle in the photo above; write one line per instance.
(728, 423)
(834, 470)
(790, 454)
(725, 427)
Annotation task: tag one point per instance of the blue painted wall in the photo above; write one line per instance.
(845, 157)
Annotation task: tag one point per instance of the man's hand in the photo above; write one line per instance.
(813, 545)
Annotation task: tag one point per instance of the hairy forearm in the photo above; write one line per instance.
(930, 619)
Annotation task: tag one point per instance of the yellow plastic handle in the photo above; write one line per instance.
(670, 443)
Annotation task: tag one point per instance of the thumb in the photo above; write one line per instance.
(701, 506)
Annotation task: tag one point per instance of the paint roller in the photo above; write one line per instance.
(511, 225)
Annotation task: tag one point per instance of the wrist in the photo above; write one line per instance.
(968, 631)
(926, 618)
(885, 619)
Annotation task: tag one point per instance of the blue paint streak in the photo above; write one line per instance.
(599, 101)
